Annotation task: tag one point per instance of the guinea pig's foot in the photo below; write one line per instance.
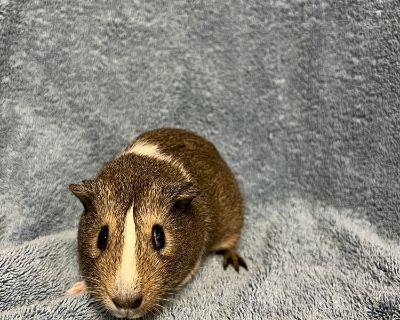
(77, 288)
(233, 258)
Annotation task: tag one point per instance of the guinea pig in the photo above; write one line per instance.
(151, 215)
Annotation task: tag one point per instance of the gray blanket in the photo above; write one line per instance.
(300, 97)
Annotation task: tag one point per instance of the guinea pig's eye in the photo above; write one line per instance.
(102, 238)
(158, 237)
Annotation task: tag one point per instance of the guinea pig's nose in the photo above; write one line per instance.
(128, 303)
(135, 303)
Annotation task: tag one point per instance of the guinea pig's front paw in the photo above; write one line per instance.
(78, 288)
(233, 258)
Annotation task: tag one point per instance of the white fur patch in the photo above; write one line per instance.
(151, 150)
(146, 149)
(127, 274)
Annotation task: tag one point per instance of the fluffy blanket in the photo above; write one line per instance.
(300, 97)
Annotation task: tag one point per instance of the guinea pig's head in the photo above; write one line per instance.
(140, 235)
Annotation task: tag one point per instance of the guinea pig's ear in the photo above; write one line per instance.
(184, 194)
(187, 191)
(84, 192)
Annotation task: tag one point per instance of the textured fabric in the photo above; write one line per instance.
(300, 97)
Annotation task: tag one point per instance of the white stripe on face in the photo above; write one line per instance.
(128, 275)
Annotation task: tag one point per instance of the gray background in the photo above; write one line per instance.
(300, 97)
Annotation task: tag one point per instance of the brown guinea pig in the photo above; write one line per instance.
(151, 215)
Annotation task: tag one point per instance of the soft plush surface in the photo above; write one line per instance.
(301, 98)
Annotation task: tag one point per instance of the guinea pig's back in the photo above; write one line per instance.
(212, 175)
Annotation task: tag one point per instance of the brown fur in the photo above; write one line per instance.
(212, 222)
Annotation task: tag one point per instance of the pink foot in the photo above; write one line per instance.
(77, 288)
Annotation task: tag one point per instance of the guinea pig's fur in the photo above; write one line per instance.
(166, 177)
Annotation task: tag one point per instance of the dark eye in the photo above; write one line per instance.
(102, 238)
(158, 237)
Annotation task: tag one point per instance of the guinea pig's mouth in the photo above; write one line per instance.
(124, 313)
(130, 314)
